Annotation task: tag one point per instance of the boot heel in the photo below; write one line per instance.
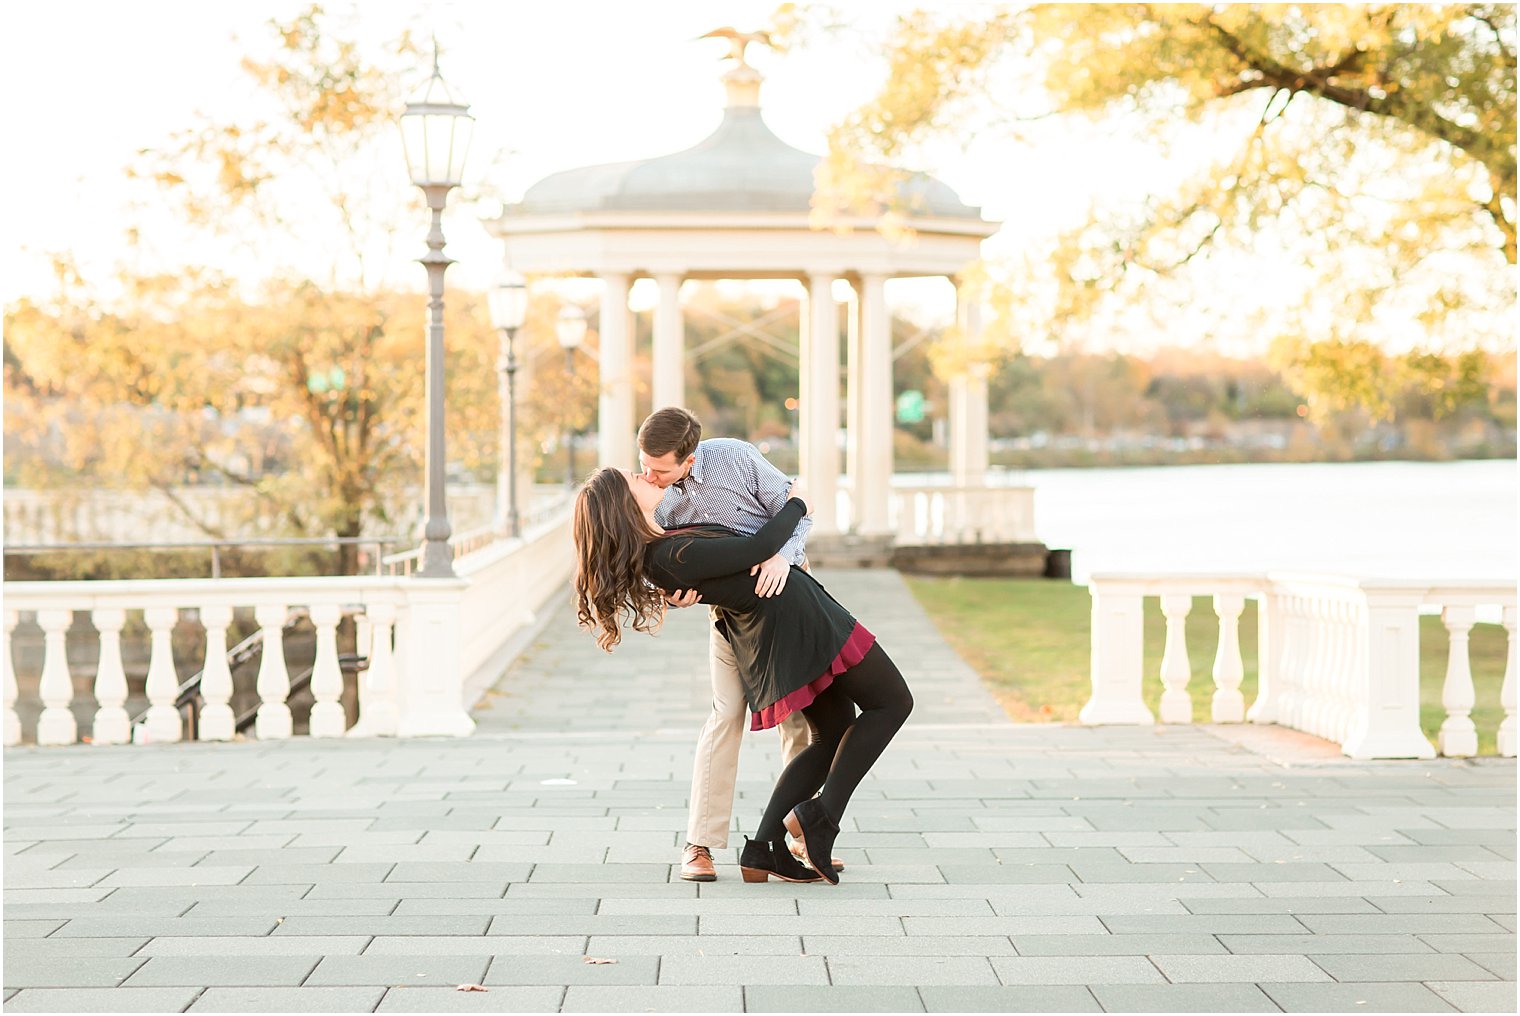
(792, 825)
(754, 874)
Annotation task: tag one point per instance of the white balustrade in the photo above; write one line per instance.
(112, 725)
(56, 725)
(217, 722)
(327, 717)
(163, 720)
(412, 686)
(935, 515)
(1337, 657)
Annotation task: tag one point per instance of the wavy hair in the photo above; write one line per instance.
(611, 535)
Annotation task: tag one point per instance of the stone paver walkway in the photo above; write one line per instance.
(990, 866)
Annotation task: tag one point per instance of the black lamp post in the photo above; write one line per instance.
(435, 136)
(570, 329)
(509, 307)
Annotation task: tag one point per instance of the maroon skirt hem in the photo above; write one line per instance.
(855, 648)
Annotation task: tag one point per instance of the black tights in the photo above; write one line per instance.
(844, 746)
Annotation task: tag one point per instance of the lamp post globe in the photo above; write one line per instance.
(570, 329)
(435, 138)
(508, 302)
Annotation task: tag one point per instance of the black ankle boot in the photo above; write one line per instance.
(760, 859)
(812, 827)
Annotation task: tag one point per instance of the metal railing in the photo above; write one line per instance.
(217, 546)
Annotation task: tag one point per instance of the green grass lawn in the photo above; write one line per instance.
(1028, 638)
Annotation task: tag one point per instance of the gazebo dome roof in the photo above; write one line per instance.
(740, 167)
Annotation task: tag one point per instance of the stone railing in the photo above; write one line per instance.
(1337, 657)
(429, 647)
(928, 515)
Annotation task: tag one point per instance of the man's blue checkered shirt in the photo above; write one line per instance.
(731, 484)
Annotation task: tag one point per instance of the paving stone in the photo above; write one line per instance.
(1315, 945)
(249, 971)
(1382, 997)
(269, 945)
(1399, 924)
(290, 908)
(1205, 924)
(741, 970)
(917, 945)
(325, 874)
(150, 927)
(729, 924)
(1267, 967)
(1012, 998)
(30, 929)
(692, 906)
(109, 1000)
(396, 969)
(1477, 996)
(457, 871)
(1114, 945)
(412, 998)
(1501, 963)
(69, 971)
(692, 945)
(406, 890)
(1281, 905)
(568, 970)
(656, 998)
(1085, 970)
(304, 925)
(850, 998)
(1501, 942)
(59, 948)
(477, 945)
(267, 999)
(613, 890)
(1182, 998)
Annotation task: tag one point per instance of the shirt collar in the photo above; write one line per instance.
(696, 471)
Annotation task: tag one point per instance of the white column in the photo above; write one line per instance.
(378, 715)
(1385, 722)
(820, 401)
(431, 693)
(112, 725)
(1228, 706)
(163, 721)
(327, 717)
(56, 724)
(668, 384)
(874, 477)
(1176, 670)
(1118, 659)
(615, 423)
(216, 722)
(968, 402)
(1458, 736)
(273, 683)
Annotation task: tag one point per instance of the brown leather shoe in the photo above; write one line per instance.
(697, 864)
(796, 848)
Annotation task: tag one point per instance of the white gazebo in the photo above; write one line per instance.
(737, 206)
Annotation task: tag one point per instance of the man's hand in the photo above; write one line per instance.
(683, 598)
(773, 575)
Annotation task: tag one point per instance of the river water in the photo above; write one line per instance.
(1409, 520)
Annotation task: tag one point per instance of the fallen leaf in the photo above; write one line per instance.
(597, 959)
(471, 987)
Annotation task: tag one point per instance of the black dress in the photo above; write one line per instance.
(788, 647)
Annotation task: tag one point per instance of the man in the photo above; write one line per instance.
(723, 482)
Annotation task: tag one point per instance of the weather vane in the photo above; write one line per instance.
(737, 41)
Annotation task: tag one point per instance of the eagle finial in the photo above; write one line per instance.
(738, 40)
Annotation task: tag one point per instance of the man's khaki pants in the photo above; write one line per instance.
(717, 761)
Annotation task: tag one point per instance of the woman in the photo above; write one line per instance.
(796, 650)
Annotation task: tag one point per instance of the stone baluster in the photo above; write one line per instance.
(273, 721)
(1386, 723)
(378, 716)
(112, 725)
(1458, 737)
(1229, 705)
(1118, 660)
(1346, 666)
(217, 722)
(1506, 691)
(163, 720)
(56, 724)
(327, 717)
(1176, 670)
(1288, 674)
(1320, 684)
(1269, 659)
(12, 719)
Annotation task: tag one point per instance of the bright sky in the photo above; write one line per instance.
(553, 85)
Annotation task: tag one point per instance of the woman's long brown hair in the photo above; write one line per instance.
(610, 536)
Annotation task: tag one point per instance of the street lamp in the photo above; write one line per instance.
(435, 137)
(509, 306)
(570, 329)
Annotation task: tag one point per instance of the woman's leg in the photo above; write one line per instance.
(829, 716)
(876, 685)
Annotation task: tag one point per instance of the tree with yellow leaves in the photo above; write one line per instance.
(1374, 142)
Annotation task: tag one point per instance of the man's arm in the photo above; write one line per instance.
(771, 490)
